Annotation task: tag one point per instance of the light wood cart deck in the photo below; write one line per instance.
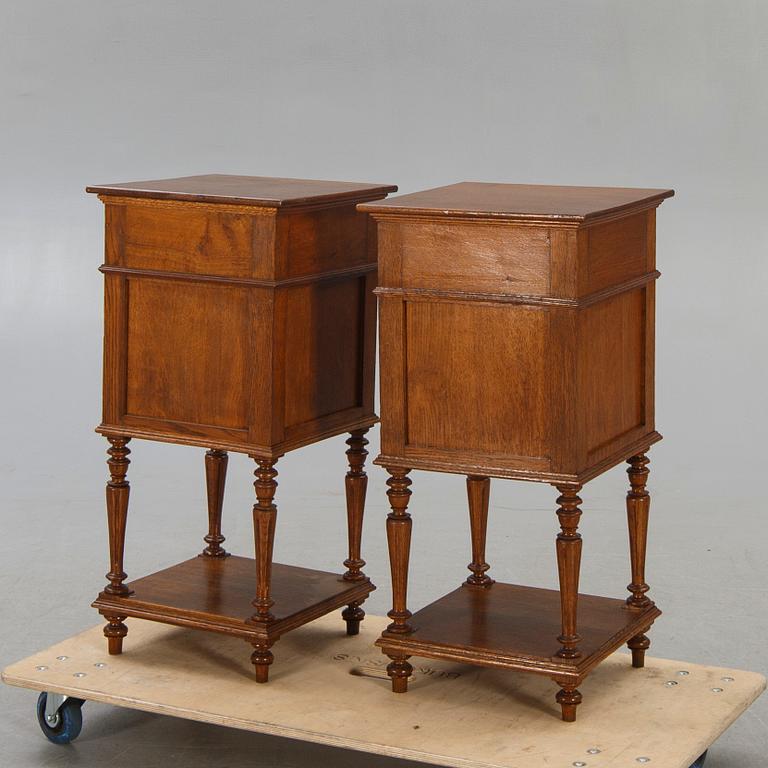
(334, 690)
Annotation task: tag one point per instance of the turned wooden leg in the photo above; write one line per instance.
(638, 508)
(356, 484)
(215, 478)
(478, 493)
(261, 658)
(264, 518)
(399, 543)
(118, 491)
(568, 697)
(568, 564)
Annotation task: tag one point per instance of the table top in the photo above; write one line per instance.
(470, 199)
(263, 191)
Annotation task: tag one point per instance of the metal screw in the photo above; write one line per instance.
(41, 668)
(62, 658)
(593, 751)
(578, 764)
(683, 673)
(100, 665)
(727, 679)
(671, 683)
(643, 759)
(717, 690)
(79, 674)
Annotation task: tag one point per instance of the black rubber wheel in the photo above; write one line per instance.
(69, 720)
(700, 762)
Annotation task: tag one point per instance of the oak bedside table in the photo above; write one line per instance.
(517, 341)
(239, 316)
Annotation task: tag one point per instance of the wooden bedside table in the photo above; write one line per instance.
(517, 341)
(239, 316)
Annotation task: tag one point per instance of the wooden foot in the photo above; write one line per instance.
(399, 670)
(478, 493)
(262, 658)
(568, 566)
(264, 519)
(115, 631)
(215, 479)
(568, 697)
(353, 614)
(639, 644)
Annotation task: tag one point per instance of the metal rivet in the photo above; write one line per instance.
(643, 759)
(100, 665)
(578, 764)
(79, 674)
(41, 668)
(671, 683)
(717, 690)
(683, 673)
(593, 751)
(727, 679)
(62, 658)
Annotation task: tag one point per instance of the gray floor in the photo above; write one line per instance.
(706, 564)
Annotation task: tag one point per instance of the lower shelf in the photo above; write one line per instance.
(505, 625)
(215, 594)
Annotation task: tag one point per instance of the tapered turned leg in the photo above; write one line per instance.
(568, 565)
(478, 492)
(568, 697)
(215, 478)
(638, 508)
(264, 518)
(356, 484)
(399, 543)
(118, 492)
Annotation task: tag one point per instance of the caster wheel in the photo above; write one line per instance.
(68, 723)
(700, 762)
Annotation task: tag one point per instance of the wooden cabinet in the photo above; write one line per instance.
(517, 341)
(239, 316)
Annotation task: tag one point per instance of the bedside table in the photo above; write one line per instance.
(239, 316)
(517, 341)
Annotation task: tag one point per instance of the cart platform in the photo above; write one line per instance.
(332, 689)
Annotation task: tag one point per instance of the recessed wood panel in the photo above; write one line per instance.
(471, 258)
(476, 378)
(615, 252)
(612, 369)
(186, 352)
(323, 348)
(186, 238)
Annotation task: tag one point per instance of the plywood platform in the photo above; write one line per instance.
(332, 689)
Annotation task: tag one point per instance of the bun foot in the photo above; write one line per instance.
(262, 659)
(568, 699)
(399, 670)
(115, 631)
(353, 614)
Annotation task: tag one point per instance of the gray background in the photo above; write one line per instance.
(600, 92)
